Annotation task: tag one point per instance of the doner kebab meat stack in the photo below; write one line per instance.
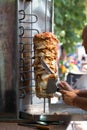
(46, 48)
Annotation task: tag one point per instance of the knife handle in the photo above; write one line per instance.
(58, 89)
(58, 85)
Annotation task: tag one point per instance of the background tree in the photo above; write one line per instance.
(69, 20)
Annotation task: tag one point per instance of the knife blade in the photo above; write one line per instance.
(48, 70)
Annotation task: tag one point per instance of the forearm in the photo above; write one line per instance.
(81, 93)
(80, 102)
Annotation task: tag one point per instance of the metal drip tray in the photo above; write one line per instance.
(61, 118)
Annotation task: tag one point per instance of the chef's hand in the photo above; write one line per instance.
(69, 97)
(65, 86)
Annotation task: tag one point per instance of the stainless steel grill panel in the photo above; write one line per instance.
(34, 17)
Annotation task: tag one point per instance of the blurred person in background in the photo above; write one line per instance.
(73, 97)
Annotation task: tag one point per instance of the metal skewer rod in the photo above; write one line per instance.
(44, 110)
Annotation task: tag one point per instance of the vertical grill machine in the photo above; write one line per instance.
(20, 20)
(33, 17)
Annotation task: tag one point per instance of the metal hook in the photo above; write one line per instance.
(21, 47)
(22, 13)
(21, 28)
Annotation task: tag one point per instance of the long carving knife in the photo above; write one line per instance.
(52, 85)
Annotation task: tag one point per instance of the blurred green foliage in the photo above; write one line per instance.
(69, 20)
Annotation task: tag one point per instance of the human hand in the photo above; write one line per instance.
(69, 97)
(65, 86)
